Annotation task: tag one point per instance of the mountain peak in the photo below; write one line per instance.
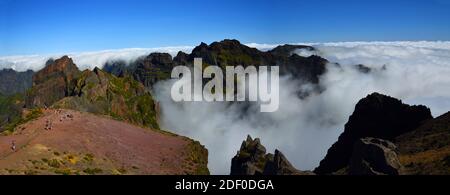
(63, 66)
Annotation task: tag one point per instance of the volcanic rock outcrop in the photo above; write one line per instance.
(252, 159)
(54, 82)
(372, 156)
(377, 116)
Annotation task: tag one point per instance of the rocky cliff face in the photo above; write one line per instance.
(52, 83)
(252, 159)
(377, 116)
(60, 84)
(372, 156)
(122, 98)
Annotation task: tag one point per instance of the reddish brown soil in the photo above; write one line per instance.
(114, 144)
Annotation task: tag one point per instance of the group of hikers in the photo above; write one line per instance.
(48, 124)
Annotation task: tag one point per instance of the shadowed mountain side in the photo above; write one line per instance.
(12, 82)
(426, 150)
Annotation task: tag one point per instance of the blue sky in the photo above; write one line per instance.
(58, 26)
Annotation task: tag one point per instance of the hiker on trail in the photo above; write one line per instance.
(13, 145)
(47, 125)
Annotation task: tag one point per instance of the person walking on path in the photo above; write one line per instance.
(13, 145)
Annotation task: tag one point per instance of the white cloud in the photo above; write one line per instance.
(262, 47)
(85, 60)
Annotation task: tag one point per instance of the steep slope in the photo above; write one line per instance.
(83, 143)
(376, 116)
(426, 150)
(122, 98)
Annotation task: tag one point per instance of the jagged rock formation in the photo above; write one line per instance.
(252, 159)
(52, 83)
(372, 156)
(60, 84)
(280, 165)
(158, 66)
(12, 82)
(377, 116)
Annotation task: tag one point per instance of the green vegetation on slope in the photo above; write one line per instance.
(19, 120)
(10, 111)
(121, 98)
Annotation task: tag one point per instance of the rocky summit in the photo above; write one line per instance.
(252, 159)
(61, 85)
(377, 116)
(54, 82)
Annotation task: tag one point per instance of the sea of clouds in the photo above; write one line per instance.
(303, 129)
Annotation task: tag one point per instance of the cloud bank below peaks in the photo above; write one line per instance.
(85, 60)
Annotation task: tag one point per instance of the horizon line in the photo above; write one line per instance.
(252, 45)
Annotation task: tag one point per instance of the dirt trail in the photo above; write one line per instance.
(73, 140)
